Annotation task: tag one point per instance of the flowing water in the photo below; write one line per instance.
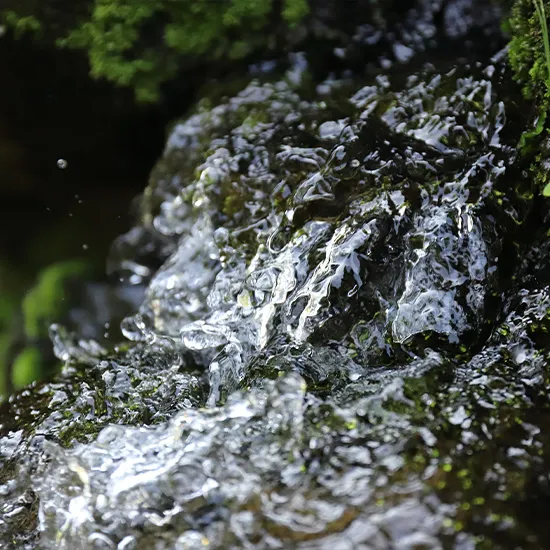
(344, 339)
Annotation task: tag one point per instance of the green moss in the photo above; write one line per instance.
(527, 48)
(295, 10)
(142, 44)
(529, 53)
(22, 25)
(9, 296)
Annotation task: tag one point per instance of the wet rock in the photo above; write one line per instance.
(346, 342)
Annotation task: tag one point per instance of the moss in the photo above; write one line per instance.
(526, 50)
(22, 25)
(295, 10)
(142, 44)
(529, 56)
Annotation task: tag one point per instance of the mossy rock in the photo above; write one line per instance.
(339, 348)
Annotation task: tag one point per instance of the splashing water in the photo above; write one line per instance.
(340, 349)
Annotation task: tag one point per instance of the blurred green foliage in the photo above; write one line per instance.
(45, 302)
(27, 366)
(142, 44)
(21, 25)
(25, 317)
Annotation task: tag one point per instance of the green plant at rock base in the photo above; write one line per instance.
(141, 44)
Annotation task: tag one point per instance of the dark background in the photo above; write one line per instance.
(50, 109)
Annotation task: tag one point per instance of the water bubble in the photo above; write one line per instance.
(221, 236)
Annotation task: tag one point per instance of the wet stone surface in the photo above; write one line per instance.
(345, 345)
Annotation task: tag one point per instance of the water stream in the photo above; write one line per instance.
(346, 343)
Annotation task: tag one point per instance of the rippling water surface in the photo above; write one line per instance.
(345, 344)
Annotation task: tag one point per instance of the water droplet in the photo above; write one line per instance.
(62, 164)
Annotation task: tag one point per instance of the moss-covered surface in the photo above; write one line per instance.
(529, 57)
(142, 44)
(527, 54)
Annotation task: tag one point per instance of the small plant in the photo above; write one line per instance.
(541, 14)
(529, 54)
